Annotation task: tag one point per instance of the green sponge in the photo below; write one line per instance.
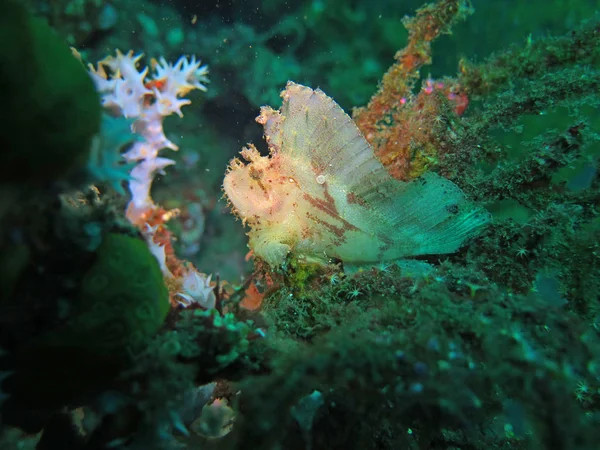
(124, 299)
(50, 107)
(123, 302)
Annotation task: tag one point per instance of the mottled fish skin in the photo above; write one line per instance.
(321, 193)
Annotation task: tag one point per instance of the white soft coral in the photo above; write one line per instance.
(122, 86)
(126, 92)
(129, 92)
(196, 288)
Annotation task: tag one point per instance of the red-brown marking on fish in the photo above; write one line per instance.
(327, 205)
(354, 199)
(339, 232)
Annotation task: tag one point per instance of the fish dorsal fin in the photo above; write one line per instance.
(313, 127)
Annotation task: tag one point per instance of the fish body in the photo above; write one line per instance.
(321, 193)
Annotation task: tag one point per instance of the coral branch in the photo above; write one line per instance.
(394, 119)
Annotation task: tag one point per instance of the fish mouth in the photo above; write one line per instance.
(247, 199)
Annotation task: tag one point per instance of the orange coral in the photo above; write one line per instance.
(252, 298)
(400, 126)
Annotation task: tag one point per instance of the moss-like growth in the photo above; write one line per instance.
(50, 108)
(410, 360)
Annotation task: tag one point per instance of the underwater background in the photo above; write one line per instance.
(156, 293)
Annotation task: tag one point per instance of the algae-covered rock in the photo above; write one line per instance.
(50, 108)
(123, 302)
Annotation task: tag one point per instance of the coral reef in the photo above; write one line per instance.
(486, 338)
